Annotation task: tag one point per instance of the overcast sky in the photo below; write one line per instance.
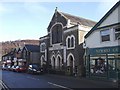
(29, 19)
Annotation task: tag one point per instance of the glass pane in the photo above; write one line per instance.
(106, 38)
(118, 65)
(117, 36)
(98, 66)
(72, 42)
(68, 42)
(117, 30)
(105, 32)
(111, 64)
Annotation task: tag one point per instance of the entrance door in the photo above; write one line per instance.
(59, 62)
(112, 68)
(53, 62)
(71, 65)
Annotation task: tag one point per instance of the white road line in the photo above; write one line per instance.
(32, 78)
(60, 86)
(3, 85)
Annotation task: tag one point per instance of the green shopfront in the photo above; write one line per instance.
(103, 63)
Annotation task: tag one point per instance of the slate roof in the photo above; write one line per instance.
(75, 20)
(103, 18)
(32, 48)
(8, 54)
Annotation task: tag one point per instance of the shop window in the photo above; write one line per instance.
(117, 33)
(98, 66)
(105, 35)
(111, 64)
(118, 65)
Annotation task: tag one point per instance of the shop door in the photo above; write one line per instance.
(112, 71)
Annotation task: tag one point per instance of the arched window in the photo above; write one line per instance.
(68, 42)
(57, 34)
(42, 47)
(59, 62)
(71, 63)
(42, 60)
(72, 41)
(70, 60)
(53, 62)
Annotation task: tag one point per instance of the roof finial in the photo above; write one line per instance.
(56, 14)
(56, 9)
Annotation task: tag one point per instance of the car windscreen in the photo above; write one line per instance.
(35, 66)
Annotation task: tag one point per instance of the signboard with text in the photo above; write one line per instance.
(104, 50)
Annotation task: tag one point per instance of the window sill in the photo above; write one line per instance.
(70, 48)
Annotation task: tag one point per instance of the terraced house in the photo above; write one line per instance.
(103, 54)
(61, 49)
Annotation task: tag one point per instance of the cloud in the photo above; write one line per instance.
(5, 8)
(33, 7)
(2, 8)
(104, 7)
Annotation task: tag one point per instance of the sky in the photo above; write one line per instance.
(29, 19)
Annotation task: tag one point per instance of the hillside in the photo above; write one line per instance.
(6, 46)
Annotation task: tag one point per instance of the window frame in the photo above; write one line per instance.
(70, 44)
(56, 30)
(42, 49)
(105, 33)
(118, 32)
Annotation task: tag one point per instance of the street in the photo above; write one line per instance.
(24, 80)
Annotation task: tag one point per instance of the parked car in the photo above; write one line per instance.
(34, 69)
(4, 67)
(8, 67)
(13, 68)
(20, 69)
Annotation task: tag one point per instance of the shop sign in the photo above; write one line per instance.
(105, 50)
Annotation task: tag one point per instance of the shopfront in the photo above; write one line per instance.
(103, 62)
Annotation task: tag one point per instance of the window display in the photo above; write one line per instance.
(98, 65)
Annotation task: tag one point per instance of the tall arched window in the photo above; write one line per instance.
(68, 42)
(57, 34)
(59, 62)
(42, 47)
(42, 60)
(53, 62)
(72, 41)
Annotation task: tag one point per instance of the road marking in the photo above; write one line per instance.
(60, 86)
(3, 85)
(32, 78)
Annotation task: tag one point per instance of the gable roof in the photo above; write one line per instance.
(32, 48)
(75, 20)
(103, 18)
